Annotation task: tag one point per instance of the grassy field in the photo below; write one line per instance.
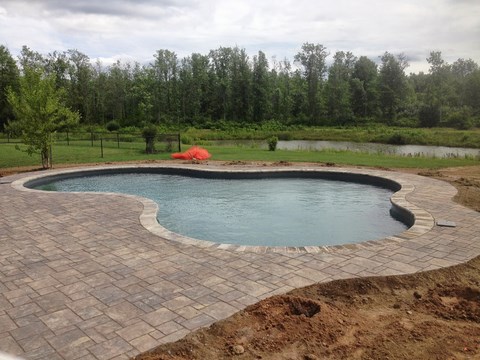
(83, 154)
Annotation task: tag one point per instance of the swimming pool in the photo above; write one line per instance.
(258, 209)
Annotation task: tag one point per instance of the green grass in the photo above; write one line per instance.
(334, 156)
(62, 154)
(83, 154)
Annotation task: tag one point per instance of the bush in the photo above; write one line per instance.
(285, 136)
(149, 133)
(112, 126)
(397, 139)
(185, 139)
(129, 130)
(460, 118)
(272, 143)
(429, 115)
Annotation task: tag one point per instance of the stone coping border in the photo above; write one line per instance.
(421, 220)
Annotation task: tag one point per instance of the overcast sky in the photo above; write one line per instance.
(135, 29)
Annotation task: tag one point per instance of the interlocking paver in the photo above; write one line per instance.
(81, 277)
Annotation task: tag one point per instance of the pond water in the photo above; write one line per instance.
(264, 211)
(404, 150)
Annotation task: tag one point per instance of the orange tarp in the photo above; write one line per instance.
(194, 153)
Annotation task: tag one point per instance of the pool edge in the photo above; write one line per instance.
(422, 221)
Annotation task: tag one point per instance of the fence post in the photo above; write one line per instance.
(68, 139)
(51, 157)
(8, 137)
(92, 137)
(179, 143)
(118, 140)
(101, 146)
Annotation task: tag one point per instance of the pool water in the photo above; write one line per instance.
(266, 212)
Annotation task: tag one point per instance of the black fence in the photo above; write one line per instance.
(107, 140)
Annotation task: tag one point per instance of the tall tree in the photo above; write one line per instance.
(240, 85)
(118, 92)
(260, 88)
(312, 58)
(9, 78)
(81, 84)
(472, 91)
(392, 84)
(99, 92)
(338, 94)
(58, 63)
(282, 101)
(436, 95)
(364, 86)
(29, 58)
(220, 81)
(40, 111)
(166, 85)
(140, 88)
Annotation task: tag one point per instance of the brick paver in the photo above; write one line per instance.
(93, 276)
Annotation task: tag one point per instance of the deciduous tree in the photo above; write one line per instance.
(40, 111)
(9, 77)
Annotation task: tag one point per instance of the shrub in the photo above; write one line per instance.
(285, 136)
(112, 126)
(397, 139)
(149, 133)
(429, 115)
(272, 143)
(185, 139)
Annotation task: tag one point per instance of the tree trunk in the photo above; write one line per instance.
(45, 154)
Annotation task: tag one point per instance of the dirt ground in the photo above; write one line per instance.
(430, 315)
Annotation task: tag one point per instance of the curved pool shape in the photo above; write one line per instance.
(287, 209)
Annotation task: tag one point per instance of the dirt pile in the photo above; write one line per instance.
(431, 315)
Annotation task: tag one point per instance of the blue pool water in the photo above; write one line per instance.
(267, 211)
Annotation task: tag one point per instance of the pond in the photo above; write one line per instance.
(290, 211)
(404, 150)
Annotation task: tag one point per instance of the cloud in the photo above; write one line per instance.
(136, 29)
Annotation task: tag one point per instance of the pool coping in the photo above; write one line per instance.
(422, 221)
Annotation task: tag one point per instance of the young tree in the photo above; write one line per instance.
(40, 111)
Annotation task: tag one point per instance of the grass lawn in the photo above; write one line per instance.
(82, 154)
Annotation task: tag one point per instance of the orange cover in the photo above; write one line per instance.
(194, 153)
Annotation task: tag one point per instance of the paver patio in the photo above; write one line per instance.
(91, 276)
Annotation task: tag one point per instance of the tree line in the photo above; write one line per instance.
(227, 86)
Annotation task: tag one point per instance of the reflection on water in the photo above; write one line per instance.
(404, 150)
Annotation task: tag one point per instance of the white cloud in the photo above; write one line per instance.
(136, 29)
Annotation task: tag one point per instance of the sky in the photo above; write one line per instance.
(133, 30)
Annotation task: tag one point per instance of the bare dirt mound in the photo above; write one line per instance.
(431, 315)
